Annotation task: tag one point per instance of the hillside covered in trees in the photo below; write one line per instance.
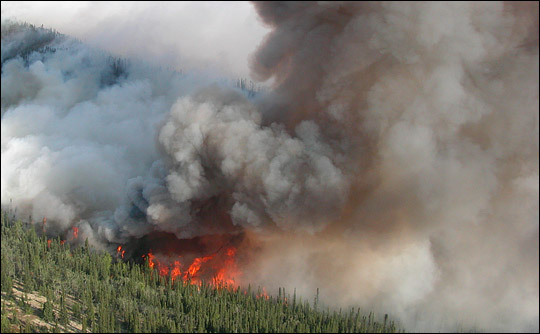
(51, 286)
(390, 161)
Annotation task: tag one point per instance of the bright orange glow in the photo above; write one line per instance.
(225, 277)
(219, 269)
(176, 270)
(120, 252)
(163, 269)
(151, 260)
(75, 232)
(191, 273)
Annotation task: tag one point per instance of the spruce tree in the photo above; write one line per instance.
(48, 313)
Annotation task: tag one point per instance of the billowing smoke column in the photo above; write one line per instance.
(394, 164)
(430, 111)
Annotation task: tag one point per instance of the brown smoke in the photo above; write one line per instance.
(431, 112)
(394, 164)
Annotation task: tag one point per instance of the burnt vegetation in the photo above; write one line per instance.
(85, 290)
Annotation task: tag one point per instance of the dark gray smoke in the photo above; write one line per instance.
(393, 165)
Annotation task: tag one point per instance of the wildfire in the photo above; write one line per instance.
(75, 233)
(218, 269)
(151, 260)
(194, 268)
(263, 294)
(120, 251)
(225, 276)
(176, 270)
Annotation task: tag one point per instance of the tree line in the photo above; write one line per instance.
(105, 294)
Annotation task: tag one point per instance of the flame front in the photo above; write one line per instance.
(226, 275)
(220, 270)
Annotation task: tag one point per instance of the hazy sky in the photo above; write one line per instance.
(209, 35)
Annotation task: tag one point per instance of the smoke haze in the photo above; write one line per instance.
(213, 36)
(393, 164)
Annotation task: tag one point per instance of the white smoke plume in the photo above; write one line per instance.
(394, 164)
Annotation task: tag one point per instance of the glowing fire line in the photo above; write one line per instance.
(224, 275)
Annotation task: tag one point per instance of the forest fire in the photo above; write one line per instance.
(263, 294)
(120, 251)
(212, 259)
(75, 233)
(218, 269)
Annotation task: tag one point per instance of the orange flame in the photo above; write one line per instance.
(224, 275)
(163, 269)
(120, 252)
(191, 273)
(176, 271)
(151, 260)
(221, 264)
(75, 232)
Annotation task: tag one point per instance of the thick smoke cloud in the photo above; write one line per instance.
(79, 129)
(102, 151)
(394, 164)
(435, 107)
(219, 148)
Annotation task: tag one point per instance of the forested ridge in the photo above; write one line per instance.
(78, 289)
(53, 285)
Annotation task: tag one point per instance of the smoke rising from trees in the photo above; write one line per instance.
(394, 163)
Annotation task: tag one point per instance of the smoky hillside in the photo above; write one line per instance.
(392, 162)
